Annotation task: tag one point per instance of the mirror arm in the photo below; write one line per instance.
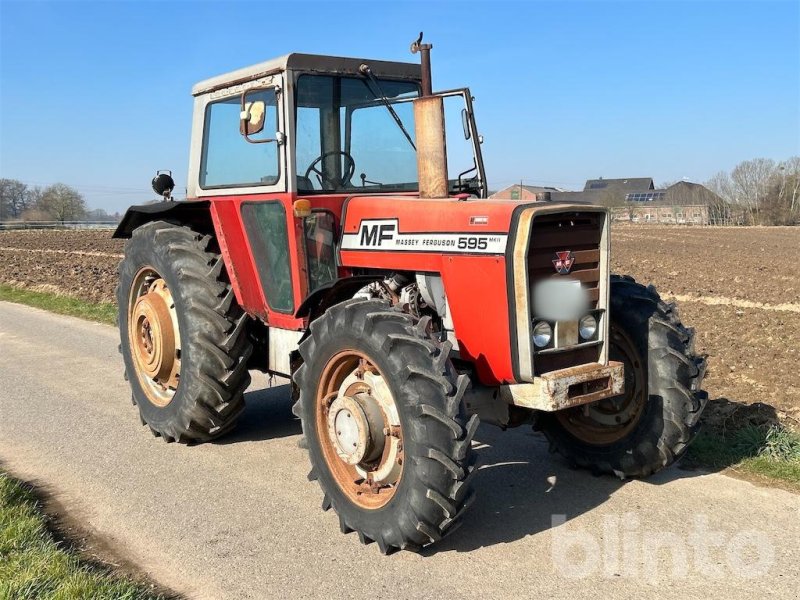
(279, 136)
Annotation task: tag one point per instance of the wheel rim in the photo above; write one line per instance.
(154, 336)
(359, 431)
(610, 420)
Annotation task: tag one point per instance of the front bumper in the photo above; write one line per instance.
(566, 388)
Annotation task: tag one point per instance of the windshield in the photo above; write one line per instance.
(348, 140)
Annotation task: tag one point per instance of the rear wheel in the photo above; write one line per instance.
(183, 337)
(652, 423)
(385, 428)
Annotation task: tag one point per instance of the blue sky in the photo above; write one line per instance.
(97, 95)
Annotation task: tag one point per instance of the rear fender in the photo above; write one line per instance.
(194, 214)
(205, 218)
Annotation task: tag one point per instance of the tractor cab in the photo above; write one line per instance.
(319, 126)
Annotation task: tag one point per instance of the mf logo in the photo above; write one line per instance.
(375, 235)
(563, 262)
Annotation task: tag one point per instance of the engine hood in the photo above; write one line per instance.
(413, 226)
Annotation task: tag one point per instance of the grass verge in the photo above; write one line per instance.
(33, 565)
(103, 312)
(770, 452)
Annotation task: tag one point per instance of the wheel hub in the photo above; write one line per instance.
(359, 428)
(154, 337)
(154, 334)
(355, 426)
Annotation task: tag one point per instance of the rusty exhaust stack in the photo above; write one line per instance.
(429, 131)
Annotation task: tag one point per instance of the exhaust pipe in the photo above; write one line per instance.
(430, 132)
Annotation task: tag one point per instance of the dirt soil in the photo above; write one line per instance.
(77, 263)
(739, 287)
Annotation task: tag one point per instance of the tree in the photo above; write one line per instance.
(33, 197)
(63, 203)
(722, 186)
(13, 199)
(790, 185)
(781, 203)
(750, 180)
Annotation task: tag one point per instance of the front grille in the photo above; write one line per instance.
(579, 233)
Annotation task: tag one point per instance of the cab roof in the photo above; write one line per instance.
(309, 63)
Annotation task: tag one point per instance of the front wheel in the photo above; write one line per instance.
(651, 425)
(385, 428)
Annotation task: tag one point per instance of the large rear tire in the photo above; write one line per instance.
(653, 423)
(183, 336)
(406, 480)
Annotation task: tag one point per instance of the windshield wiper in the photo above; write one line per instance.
(365, 70)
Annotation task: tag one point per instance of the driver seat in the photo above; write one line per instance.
(304, 184)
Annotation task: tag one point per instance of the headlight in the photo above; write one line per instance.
(542, 334)
(587, 327)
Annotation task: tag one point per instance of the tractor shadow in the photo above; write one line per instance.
(521, 488)
(267, 415)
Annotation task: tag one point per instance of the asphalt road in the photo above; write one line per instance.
(238, 519)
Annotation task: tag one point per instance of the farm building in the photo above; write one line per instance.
(636, 199)
(682, 202)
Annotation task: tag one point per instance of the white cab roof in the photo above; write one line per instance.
(308, 63)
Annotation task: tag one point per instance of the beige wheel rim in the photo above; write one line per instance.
(612, 419)
(154, 336)
(359, 429)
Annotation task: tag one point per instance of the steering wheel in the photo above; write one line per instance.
(336, 182)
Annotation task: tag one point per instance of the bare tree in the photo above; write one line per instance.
(33, 197)
(780, 204)
(13, 199)
(63, 203)
(790, 170)
(722, 186)
(751, 180)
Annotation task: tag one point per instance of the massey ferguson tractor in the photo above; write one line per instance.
(337, 232)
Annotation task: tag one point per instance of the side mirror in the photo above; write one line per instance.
(252, 117)
(465, 123)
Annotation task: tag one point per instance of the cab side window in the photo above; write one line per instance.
(228, 159)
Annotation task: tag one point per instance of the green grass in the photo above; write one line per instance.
(103, 312)
(34, 566)
(772, 452)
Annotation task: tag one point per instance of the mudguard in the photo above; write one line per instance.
(333, 292)
(195, 213)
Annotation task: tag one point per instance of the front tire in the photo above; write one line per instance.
(362, 355)
(652, 424)
(183, 336)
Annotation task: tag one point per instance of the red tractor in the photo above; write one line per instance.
(337, 233)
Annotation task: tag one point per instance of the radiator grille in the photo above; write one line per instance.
(579, 233)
